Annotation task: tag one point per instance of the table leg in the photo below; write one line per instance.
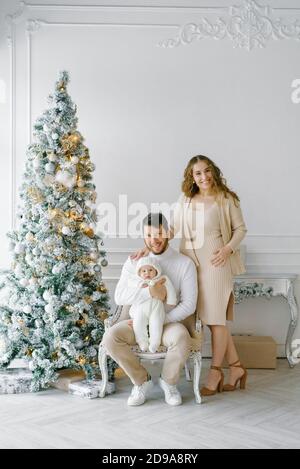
(290, 297)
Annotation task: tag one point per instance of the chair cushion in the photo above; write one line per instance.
(161, 349)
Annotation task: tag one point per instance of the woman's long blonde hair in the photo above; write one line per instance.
(190, 188)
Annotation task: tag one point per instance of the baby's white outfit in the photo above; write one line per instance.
(152, 311)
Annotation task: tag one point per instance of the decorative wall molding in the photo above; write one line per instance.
(11, 21)
(248, 25)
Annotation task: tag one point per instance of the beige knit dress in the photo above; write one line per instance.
(222, 224)
(215, 284)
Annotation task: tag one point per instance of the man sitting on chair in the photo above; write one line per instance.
(119, 339)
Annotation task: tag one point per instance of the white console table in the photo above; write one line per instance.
(268, 286)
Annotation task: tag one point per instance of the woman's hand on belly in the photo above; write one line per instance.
(221, 256)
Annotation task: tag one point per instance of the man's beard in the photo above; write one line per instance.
(164, 248)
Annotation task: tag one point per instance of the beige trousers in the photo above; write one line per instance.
(120, 337)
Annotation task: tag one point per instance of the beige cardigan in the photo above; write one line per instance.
(232, 224)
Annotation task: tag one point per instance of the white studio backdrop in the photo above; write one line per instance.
(145, 110)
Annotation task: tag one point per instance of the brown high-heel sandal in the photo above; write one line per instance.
(242, 379)
(211, 392)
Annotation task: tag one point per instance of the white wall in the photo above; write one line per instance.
(145, 110)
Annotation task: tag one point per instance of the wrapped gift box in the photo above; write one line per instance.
(89, 389)
(15, 381)
(256, 351)
(66, 377)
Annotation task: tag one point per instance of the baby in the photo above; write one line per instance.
(150, 312)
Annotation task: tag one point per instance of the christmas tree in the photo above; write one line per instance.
(56, 299)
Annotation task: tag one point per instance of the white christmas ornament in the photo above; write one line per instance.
(28, 259)
(47, 295)
(81, 183)
(49, 167)
(65, 178)
(18, 270)
(24, 282)
(74, 159)
(56, 269)
(54, 136)
(36, 163)
(66, 231)
(29, 236)
(19, 248)
(33, 281)
(49, 309)
(52, 157)
(27, 309)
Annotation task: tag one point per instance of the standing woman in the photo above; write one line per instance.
(217, 259)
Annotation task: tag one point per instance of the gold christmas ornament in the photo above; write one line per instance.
(81, 360)
(87, 338)
(60, 187)
(89, 232)
(35, 195)
(85, 260)
(102, 315)
(82, 190)
(54, 356)
(80, 322)
(74, 215)
(53, 212)
(80, 182)
(70, 142)
(61, 86)
(29, 352)
(88, 300)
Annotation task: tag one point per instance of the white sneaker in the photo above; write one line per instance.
(139, 393)
(172, 395)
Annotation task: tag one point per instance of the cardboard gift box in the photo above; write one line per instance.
(256, 351)
(66, 377)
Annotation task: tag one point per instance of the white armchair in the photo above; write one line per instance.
(195, 329)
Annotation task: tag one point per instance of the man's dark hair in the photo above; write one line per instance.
(156, 220)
